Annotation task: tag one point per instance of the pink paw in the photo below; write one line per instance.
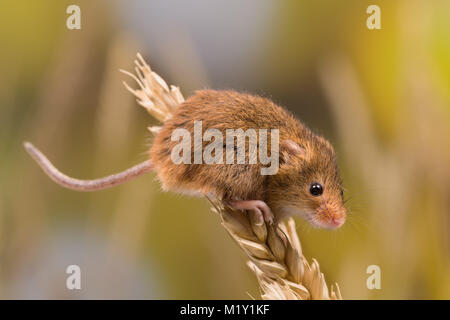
(259, 207)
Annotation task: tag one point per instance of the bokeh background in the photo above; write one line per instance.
(381, 96)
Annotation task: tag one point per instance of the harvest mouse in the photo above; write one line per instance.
(307, 182)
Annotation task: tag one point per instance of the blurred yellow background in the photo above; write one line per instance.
(382, 98)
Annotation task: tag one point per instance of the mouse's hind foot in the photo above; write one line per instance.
(261, 209)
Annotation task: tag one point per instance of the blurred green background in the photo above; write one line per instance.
(381, 96)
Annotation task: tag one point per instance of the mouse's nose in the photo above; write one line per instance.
(337, 222)
(331, 216)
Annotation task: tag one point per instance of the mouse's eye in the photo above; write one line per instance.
(316, 189)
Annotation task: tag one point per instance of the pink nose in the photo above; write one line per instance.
(337, 222)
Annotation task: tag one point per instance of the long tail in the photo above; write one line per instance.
(86, 185)
(153, 94)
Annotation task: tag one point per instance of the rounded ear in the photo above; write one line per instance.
(289, 150)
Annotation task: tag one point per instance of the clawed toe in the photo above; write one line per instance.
(260, 208)
(267, 213)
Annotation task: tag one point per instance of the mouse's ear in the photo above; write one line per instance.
(289, 150)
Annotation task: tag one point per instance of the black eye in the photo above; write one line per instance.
(316, 189)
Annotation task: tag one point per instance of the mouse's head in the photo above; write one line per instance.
(308, 183)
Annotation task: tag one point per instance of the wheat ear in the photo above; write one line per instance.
(274, 252)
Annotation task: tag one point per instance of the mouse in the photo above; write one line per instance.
(306, 182)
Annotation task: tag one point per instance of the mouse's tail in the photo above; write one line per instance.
(159, 99)
(86, 185)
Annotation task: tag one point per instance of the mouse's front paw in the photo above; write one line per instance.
(261, 209)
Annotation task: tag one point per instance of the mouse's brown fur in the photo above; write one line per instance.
(286, 192)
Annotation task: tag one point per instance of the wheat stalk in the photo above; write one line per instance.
(274, 251)
(276, 258)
